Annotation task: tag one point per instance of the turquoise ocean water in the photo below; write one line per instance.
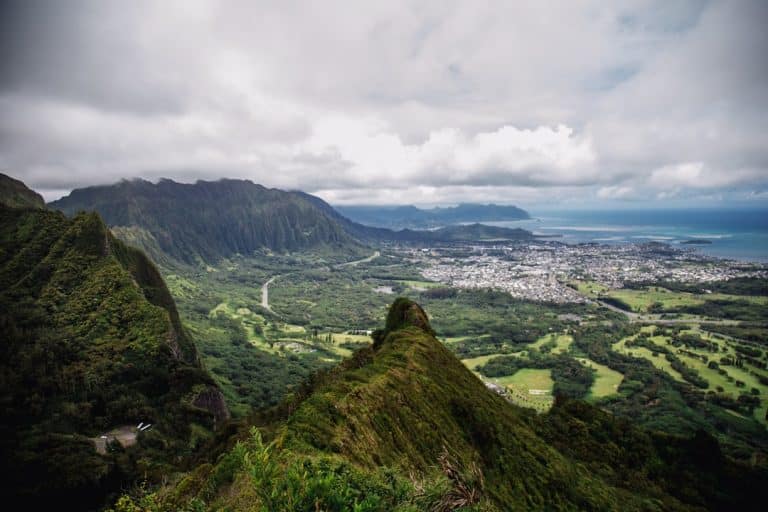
(734, 234)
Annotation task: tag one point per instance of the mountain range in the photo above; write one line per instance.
(401, 217)
(206, 221)
(92, 345)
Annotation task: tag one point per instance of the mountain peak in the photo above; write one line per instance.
(405, 313)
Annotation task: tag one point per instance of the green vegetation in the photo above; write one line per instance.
(91, 341)
(607, 381)
(207, 221)
(15, 194)
(554, 343)
(404, 426)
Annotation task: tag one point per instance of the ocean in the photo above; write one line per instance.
(734, 234)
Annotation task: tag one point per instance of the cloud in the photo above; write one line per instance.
(615, 192)
(506, 156)
(585, 100)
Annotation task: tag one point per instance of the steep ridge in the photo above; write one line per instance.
(15, 194)
(207, 220)
(91, 341)
(403, 425)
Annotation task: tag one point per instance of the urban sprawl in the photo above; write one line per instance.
(540, 270)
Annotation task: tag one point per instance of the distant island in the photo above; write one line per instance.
(411, 217)
(696, 241)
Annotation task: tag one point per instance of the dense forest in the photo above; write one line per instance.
(91, 342)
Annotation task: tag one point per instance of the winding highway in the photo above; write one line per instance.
(265, 286)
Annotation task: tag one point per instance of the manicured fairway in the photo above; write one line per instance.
(474, 362)
(530, 387)
(606, 380)
(562, 341)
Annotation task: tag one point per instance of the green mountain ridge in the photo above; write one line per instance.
(403, 425)
(91, 341)
(15, 194)
(208, 220)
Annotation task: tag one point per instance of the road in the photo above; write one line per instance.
(265, 294)
(357, 262)
(265, 286)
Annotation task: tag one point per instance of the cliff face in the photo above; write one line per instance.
(91, 341)
(403, 425)
(206, 221)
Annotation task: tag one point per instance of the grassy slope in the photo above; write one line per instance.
(406, 402)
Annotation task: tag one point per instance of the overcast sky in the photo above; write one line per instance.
(568, 103)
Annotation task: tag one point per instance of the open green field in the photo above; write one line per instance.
(562, 343)
(661, 299)
(420, 285)
(474, 362)
(641, 300)
(530, 387)
(607, 381)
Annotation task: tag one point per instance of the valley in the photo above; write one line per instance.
(268, 322)
(656, 350)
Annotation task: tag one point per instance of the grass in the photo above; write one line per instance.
(747, 374)
(522, 382)
(478, 361)
(562, 341)
(660, 362)
(641, 300)
(607, 381)
(416, 285)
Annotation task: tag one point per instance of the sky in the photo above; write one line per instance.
(574, 103)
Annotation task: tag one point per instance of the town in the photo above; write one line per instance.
(540, 271)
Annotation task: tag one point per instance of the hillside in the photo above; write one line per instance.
(91, 343)
(15, 194)
(411, 217)
(403, 425)
(208, 220)
(454, 233)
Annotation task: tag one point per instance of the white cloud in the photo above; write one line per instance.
(614, 101)
(615, 192)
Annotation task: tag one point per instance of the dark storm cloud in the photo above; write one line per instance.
(414, 101)
(85, 52)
